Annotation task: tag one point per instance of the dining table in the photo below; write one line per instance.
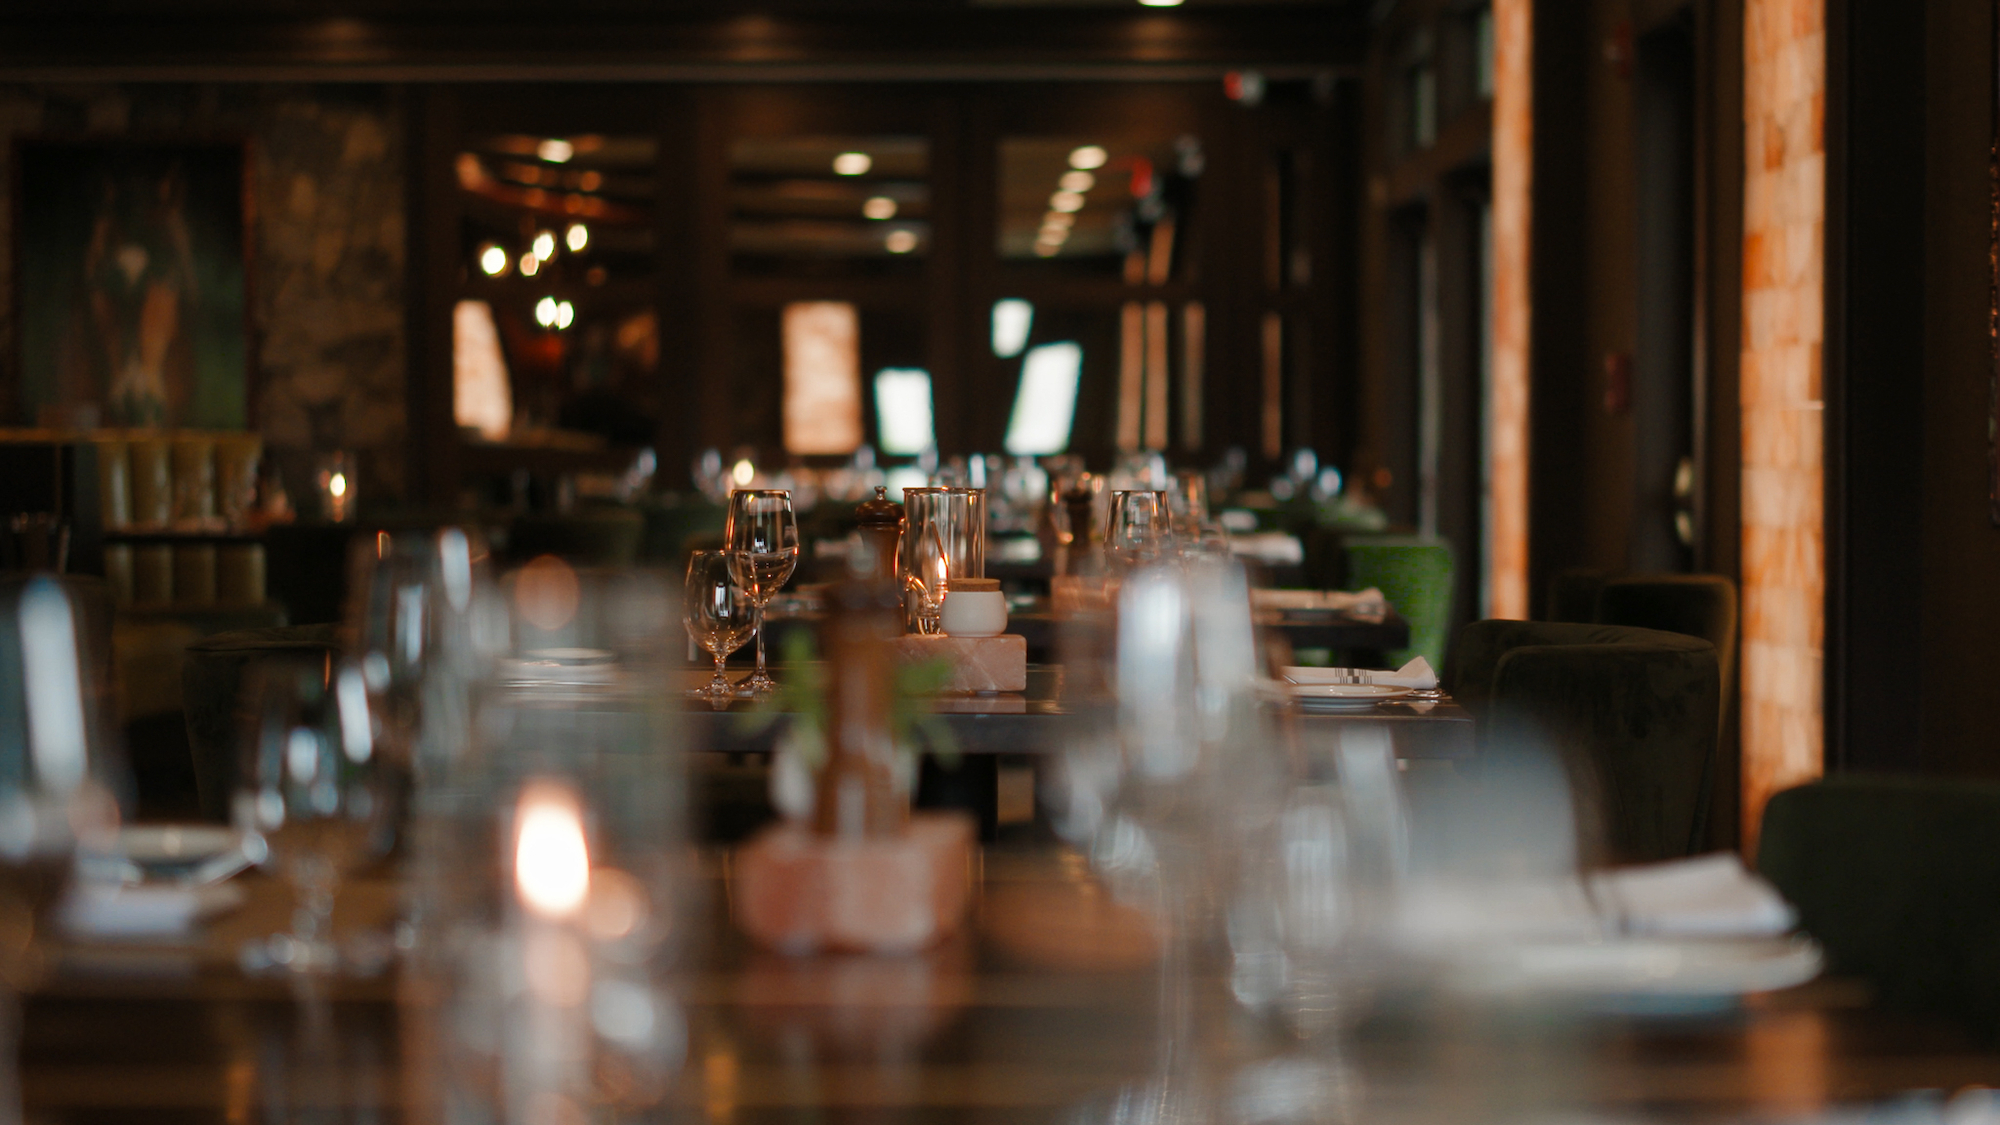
(1045, 1007)
(1052, 714)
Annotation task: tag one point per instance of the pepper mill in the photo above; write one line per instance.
(881, 521)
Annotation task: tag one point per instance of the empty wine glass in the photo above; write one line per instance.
(1140, 526)
(311, 798)
(718, 614)
(53, 796)
(762, 539)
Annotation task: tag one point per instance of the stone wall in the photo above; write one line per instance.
(327, 247)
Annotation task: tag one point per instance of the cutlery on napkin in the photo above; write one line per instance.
(1416, 674)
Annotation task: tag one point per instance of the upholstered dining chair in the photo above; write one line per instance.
(212, 678)
(1898, 878)
(1630, 712)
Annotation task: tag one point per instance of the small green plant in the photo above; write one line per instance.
(802, 695)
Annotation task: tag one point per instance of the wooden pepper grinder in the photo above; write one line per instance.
(857, 788)
(881, 521)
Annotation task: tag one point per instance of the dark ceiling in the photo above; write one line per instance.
(717, 40)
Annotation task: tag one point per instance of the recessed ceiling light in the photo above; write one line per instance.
(879, 207)
(852, 163)
(555, 150)
(900, 241)
(1088, 157)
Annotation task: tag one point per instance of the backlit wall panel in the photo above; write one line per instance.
(1507, 393)
(1784, 571)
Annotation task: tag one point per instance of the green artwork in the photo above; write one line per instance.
(129, 270)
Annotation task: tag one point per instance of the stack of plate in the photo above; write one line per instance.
(1341, 698)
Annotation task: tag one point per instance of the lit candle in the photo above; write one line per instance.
(549, 1047)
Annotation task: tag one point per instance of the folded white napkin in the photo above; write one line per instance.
(1366, 605)
(141, 912)
(1416, 674)
(1707, 896)
(1270, 547)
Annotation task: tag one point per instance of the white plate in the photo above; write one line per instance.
(176, 843)
(190, 854)
(1343, 697)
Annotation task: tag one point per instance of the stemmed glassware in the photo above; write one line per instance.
(718, 613)
(762, 539)
(1141, 526)
(53, 792)
(313, 797)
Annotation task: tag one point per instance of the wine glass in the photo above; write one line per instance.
(762, 539)
(53, 796)
(1140, 526)
(718, 614)
(313, 797)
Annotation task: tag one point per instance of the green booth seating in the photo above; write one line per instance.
(1899, 880)
(1415, 573)
(211, 681)
(1631, 713)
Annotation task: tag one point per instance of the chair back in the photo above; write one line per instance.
(1414, 573)
(1699, 605)
(1899, 880)
(212, 678)
(1630, 712)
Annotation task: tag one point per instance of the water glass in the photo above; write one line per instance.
(718, 614)
(314, 799)
(944, 539)
(1141, 526)
(762, 538)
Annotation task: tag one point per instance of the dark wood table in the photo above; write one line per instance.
(1041, 721)
(1043, 1012)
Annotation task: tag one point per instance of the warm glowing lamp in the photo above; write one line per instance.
(852, 163)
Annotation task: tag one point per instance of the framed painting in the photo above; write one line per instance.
(131, 279)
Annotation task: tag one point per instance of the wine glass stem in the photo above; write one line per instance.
(761, 675)
(721, 682)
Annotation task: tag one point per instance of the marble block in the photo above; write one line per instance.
(798, 892)
(978, 663)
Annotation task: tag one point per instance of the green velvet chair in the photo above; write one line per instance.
(1699, 605)
(1415, 573)
(211, 680)
(1630, 712)
(1573, 595)
(1899, 880)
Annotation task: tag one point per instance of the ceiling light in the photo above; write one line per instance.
(1062, 219)
(900, 241)
(1077, 181)
(1161, 3)
(545, 312)
(1066, 201)
(879, 207)
(544, 245)
(565, 314)
(530, 265)
(555, 150)
(852, 163)
(1088, 157)
(492, 261)
(577, 237)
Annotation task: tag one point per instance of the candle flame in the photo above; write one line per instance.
(551, 859)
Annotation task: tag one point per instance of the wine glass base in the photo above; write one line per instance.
(755, 687)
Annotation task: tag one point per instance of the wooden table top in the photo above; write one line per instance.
(1044, 1011)
(1040, 719)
